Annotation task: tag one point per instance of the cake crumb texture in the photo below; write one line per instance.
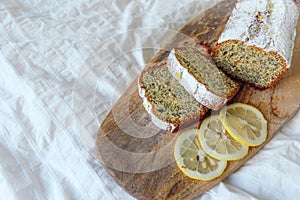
(170, 102)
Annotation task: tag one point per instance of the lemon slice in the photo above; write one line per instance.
(217, 142)
(193, 161)
(245, 123)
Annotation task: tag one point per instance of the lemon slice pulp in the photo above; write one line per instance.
(245, 123)
(217, 142)
(193, 161)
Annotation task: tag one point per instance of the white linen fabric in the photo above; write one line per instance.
(63, 65)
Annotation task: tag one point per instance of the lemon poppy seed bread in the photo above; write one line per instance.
(171, 107)
(196, 71)
(257, 42)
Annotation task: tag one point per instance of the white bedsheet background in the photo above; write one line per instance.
(63, 64)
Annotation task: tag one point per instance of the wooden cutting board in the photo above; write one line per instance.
(139, 156)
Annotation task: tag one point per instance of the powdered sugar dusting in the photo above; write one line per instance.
(198, 90)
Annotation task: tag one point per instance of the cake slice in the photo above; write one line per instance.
(257, 42)
(197, 73)
(171, 107)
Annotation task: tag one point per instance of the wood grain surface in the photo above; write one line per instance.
(139, 156)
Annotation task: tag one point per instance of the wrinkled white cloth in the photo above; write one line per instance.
(63, 65)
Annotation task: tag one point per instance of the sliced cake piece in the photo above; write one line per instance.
(171, 107)
(197, 73)
(257, 43)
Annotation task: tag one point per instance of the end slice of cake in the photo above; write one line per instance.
(257, 43)
(197, 73)
(171, 107)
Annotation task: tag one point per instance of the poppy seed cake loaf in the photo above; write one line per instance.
(257, 42)
(168, 103)
(196, 71)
